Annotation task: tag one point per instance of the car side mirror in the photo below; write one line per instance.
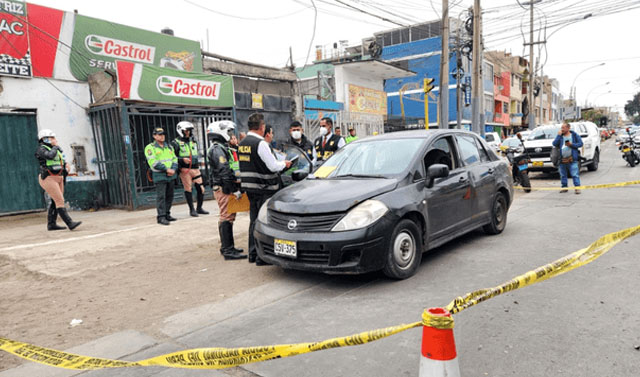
(299, 175)
(436, 171)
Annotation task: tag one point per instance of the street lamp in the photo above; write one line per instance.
(573, 85)
(569, 23)
(600, 95)
(586, 100)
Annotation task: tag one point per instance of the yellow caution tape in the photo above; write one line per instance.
(219, 358)
(587, 187)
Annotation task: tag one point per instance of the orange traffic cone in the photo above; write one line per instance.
(439, 357)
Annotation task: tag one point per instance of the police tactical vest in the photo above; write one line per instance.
(255, 177)
(329, 149)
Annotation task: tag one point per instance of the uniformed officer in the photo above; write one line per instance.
(225, 182)
(163, 163)
(299, 140)
(53, 171)
(259, 174)
(186, 148)
(327, 143)
(352, 136)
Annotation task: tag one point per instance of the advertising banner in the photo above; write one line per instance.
(365, 100)
(97, 44)
(144, 82)
(15, 59)
(45, 33)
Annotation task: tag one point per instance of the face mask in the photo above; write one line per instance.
(46, 140)
(323, 131)
(297, 135)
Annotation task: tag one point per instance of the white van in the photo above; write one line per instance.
(539, 144)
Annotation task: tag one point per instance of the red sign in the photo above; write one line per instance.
(14, 39)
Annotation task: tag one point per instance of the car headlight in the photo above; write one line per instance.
(361, 216)
(262, 214)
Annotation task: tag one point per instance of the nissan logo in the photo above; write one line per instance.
(538, 150)
(292, 224)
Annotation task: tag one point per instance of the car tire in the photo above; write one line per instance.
(498, 215)
(596, 161)
(405, 251)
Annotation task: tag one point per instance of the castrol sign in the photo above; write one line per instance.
(118, 49)
(188, 88)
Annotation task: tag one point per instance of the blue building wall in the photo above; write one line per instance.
(425, 67)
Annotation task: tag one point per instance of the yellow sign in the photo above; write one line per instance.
(365, 100)
(256, 101)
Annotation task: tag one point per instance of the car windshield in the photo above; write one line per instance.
(511, 142)
(544, 133)
(376, 158)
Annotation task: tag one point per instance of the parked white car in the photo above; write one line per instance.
(493, 139)
(539, 145)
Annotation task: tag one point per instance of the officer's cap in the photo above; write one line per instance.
(158, 131)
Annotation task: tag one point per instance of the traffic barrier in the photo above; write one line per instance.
(587, 187)
(220, 358)
(439, 356)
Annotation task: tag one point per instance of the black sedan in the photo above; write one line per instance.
(379, 202)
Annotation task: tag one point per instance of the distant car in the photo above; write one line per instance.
(379, 202)
(493, 139)
(511, 142)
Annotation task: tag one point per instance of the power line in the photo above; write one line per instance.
(369, 13)
(313, 35)
(243, 17)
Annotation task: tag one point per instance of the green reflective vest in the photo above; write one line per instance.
(56, 162)
(158, 156)
(350, 138)
(234, 164)
(188, 150)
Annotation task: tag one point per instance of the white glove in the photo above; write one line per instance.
(237, 194)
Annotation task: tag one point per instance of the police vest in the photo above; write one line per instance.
(350, 138)
(57, 163)
(255, 177)
(305, 145)
(234, 164)
(163, 155)
(329, 149)
(187, 149)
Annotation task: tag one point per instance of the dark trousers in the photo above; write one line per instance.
(164, 197)
(255, 201)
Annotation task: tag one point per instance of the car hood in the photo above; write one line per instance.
(328, 195)
(538, 143)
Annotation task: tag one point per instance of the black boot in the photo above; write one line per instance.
(233, 243)
(67, 219)
(189, 196)
(52, 216)
(226, 239)
(200, 198)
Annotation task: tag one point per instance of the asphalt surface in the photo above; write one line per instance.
(583, 323)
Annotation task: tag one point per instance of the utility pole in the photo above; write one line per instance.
(444, 69)
(532, 76)
(458, 85)
(477, 97)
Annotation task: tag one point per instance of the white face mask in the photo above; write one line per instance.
(296, 135)
(323, 131)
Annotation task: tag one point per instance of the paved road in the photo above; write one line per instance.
(584, 323)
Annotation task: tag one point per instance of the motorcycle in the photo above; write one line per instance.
(519, 160)
(630, 150)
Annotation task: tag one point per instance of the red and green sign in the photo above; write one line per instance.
(15, 59)
(143, 82)
(97, 44)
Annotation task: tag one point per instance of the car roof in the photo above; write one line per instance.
(413, 134)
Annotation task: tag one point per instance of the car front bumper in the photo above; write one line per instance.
(351, 252)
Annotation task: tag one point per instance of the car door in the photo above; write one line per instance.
(481, 174)
(447, 201)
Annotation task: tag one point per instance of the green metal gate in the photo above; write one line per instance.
(19, 191)
(122, 130)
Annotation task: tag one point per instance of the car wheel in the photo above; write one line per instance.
(595, 163)
(405, 251)
(498, 215)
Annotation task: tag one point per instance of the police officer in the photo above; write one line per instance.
(163, 163)
(327, 143)
(352, 136)
(53, 171)
(186, 148)
(259, 174)
(297, 138)
(225, 182)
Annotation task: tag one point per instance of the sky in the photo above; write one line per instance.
(262, 31)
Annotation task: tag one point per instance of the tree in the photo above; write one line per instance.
(632, 108)
(593, 116)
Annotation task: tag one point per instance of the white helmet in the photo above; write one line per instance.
(45, 133)
(224, 128)
(183, 126)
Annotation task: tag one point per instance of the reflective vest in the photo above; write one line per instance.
(188, 149)
(331, 146)
(234, 164)
(57, 163)
(350, 138)
(156, 154)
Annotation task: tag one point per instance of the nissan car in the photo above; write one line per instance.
(380, 202)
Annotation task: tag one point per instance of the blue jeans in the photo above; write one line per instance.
(572, 169)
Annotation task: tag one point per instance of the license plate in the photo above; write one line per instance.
(285, 248)
(538, 164)
(626, 150)
(523, 167)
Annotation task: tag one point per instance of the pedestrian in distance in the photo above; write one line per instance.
(53, 172)
(352, 135)
(327, 143)
(225, 183)
(297, 138)
(569, 143)
(186, 149)
(338, 131)
(163, 163)
(259, 174)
